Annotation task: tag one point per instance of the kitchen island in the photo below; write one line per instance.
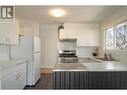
(101, 75)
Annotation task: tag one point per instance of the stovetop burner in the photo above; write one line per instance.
(68, 56)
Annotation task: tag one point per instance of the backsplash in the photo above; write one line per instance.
(81, 52)
(4, 52)
(87, 51)
(66, 45)
(118, 55)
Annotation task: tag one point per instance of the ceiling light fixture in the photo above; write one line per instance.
(57, 12)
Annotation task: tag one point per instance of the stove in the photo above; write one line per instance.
(68, 56)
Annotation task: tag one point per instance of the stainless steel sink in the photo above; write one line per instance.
(105, 59)
(87, 60)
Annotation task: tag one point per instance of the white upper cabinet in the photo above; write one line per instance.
(89, 36)
(67, 34)
(29, 28)
(9, 31)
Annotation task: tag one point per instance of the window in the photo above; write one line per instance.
(116, 37)
(121, 36)
(109, 38)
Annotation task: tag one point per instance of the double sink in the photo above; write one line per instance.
(105, 59)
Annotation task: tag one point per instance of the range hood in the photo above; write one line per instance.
(67, 40)
(63, 33)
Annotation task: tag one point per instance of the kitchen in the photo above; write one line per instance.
(63, 47)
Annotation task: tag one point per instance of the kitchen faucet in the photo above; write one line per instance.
(108, 56)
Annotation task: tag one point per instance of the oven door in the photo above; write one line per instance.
(68, 60)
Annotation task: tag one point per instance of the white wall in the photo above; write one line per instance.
(49, 39)
(114, 19)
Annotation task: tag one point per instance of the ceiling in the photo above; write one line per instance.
(73, 13)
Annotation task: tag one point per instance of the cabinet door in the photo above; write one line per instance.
(14, 33)
(10, 82)
(94, 37)
(3, 32)
(9, 78)
(88, 37)
(9, 31)
(22, 75)
(67, 34)
(14, 77)
(83, 38)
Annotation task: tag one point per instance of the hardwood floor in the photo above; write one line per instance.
(45, 82)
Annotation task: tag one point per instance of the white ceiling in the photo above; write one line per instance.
(73, 13)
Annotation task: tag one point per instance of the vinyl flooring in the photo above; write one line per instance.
(45, 82)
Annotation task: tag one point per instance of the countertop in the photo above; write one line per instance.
(70, 67)
(98, 65)
(9, 63)
(106, 65)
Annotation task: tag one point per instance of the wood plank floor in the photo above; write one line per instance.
(45, 82)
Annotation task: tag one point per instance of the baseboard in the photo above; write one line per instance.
(46, 70)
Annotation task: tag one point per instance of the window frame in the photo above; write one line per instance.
(116, 33)
(114, 37)
(106, 37)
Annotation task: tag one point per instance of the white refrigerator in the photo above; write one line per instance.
(29, 48)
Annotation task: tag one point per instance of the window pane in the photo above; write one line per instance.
(121, 36)
(109, 38)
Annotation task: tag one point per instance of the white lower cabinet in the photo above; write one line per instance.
(14, 77)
